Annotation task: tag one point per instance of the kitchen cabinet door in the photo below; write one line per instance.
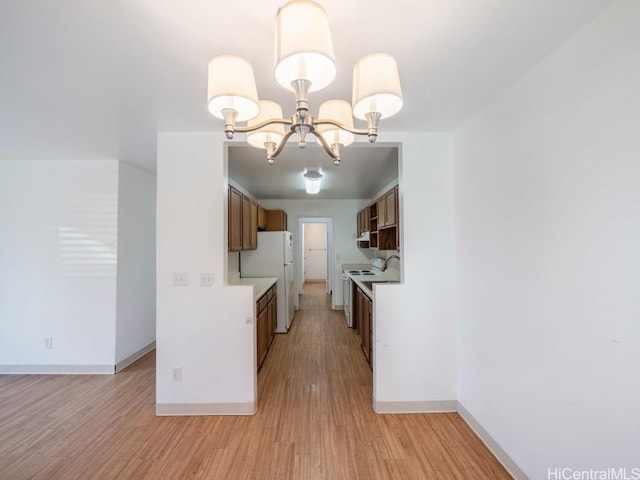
(363, 313)
(234, 220)
(362, 222)
(272, 310)
(262, 219)
(368, 317)
(276, 221)
(261, 325)
(358, 309)
(388, 236)
(267, 311)
(275, 310)
(366, 330)
(382, 213)
(397, 193)
(390, 208)
(253, 227)
(246, 223)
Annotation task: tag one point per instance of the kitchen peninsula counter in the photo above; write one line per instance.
(260, 284)
(383, 279)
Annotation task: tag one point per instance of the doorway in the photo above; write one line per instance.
(315, 251)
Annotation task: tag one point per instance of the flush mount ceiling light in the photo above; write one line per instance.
(304, 63)
(312, 180)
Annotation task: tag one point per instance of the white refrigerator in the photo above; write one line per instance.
(274, 258)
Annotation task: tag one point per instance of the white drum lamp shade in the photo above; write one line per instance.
(340, 111)
(376, 86)
(303, 46)
(312, 181)
(231, 85)
(269, 133)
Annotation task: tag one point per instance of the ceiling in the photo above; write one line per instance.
(98, 79)
(364, 171)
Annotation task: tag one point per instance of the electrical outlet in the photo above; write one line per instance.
(206, 279)
(176, 374)
(180, 279)
(48, 343)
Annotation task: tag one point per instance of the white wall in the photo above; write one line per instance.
(202, 330)
(414, 323)
(136, 286)
(548, 234)
(58, 253)
(343, 213)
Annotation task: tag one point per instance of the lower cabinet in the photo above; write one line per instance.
(267, 314)
(363, 315)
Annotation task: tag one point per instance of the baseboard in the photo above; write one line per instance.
(179, 409)
(506, 461)
(56, 369)
(433, 406)
(134, 356)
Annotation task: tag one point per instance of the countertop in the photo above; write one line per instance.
(260, 284)
(383, 277)
(356, 266)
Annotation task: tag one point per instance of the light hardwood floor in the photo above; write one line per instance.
(315, 421)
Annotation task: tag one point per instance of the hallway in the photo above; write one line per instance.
(314, 421)
(322, 418)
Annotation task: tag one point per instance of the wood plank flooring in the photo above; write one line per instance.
(315, 421)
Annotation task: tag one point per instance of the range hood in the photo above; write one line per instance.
(364, 237)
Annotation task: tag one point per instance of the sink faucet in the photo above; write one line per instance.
(384, 265)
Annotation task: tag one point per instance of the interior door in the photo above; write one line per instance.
(315, 252)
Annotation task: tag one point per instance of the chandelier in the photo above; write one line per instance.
(304, 63)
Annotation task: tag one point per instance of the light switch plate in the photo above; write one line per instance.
(206, 279)
(180, 279)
